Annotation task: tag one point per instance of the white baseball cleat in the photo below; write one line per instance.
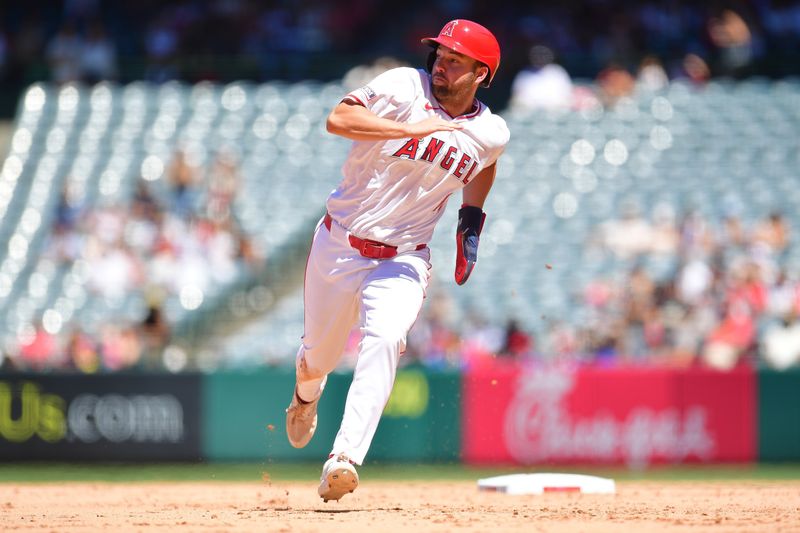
(339, 477)
(301, 420)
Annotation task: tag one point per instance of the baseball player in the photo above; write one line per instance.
(418, 137)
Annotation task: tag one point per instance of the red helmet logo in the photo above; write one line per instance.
(472, 40)
(447, 31)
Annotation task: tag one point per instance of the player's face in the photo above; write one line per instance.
(454, 75)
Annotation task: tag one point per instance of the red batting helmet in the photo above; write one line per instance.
(472, 40)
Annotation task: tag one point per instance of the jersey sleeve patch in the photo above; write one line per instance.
(368, 92)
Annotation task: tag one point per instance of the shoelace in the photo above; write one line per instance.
(343, 459)
(302, 410)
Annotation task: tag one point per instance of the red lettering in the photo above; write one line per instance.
(469, 173)
(465, 159)
(409, 149)
(432, 150)
(448, 159)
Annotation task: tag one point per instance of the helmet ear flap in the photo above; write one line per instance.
(431, 59)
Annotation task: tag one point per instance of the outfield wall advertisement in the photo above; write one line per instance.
(245, 417)
(108, 417)
(497, 413)
(779, 415)
(637, 416)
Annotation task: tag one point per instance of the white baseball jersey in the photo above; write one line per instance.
(395, 191)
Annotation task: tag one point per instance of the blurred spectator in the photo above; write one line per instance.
(65, 54)
(68, 210)
(144, 205)
(98, 55)
(638, 300)
(39, 350)
(65, 245)
(66, 242)
(81, 350)
(665, 238)
(142, 225)
(773, 232)
(613, 83)
(733, 40)
(731, 339)
(651, 76)
(223, 185)
(193, 260)
(780, 343)
(733, 235)
(433, 340)
(693, 69)
(161, 49)
(7, 363)
(518, 343)
(222, 249)
(434, 343)
(481, 339)
(248, 254)
(183, 182)
(599, 293)
(689, 325)
(629, 235)
(694, 280)
(163, 263)
(784, 296)
(746, 286)
(119, 347)
(696, 234)
(560, 342)
(115, 271)
(154, 331)
(543, 85)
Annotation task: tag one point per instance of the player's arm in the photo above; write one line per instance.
(476, 191)
(353, 121)
(470, 222)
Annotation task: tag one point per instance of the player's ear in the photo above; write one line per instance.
(481, 74)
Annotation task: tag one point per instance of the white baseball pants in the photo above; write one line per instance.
(382, 296)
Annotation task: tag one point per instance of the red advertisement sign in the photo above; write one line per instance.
(633, 416)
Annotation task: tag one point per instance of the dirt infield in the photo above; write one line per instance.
(407, 506)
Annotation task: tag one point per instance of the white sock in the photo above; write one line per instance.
(309, 391)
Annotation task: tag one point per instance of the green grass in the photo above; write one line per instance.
(56, 472)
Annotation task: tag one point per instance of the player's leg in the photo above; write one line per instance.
(331, 300)
(391, 299)
(331, 309)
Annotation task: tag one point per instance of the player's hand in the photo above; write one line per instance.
(430, 125)
(470, 224)
(466, 256)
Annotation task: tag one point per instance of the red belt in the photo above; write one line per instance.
(367, 247)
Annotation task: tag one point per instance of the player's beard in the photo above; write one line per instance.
(458, 92)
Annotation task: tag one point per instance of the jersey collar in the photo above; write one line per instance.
(473, 112)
